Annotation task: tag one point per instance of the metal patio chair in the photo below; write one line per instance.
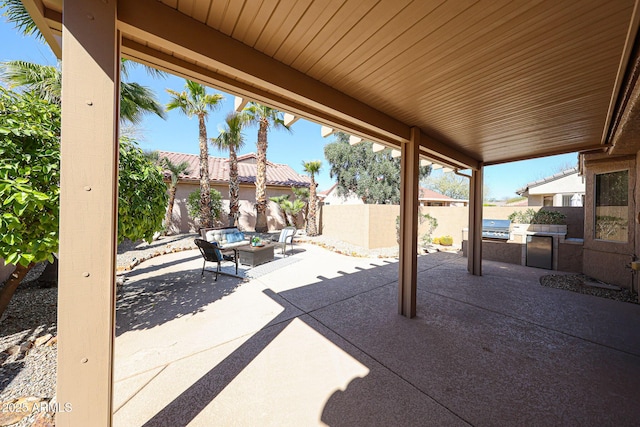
(212, 253)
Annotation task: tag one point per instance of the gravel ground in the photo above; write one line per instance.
(587, 285)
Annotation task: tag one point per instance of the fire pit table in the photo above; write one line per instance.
(255, 255)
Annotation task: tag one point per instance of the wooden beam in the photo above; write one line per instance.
(408, 264)
(449, 154)
(39, 13)
(377, 147)
(166, 27)
(353, 140)
(88, 212)
(239, 103)
(163, 61)
(325, 131)
(290, 119)
(474, 249)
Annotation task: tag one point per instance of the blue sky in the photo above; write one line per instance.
(304, 143)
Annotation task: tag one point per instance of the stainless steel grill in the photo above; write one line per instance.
(495, 229)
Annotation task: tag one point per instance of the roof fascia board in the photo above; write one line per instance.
(618, 88)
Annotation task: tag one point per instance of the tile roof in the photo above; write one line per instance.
(426, 193)
(277, 174)
(558, 175)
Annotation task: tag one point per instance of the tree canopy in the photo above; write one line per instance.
(373, 176)
(450, 185)
(142, 194)
(29, 178)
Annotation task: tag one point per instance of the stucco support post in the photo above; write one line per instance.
(474, 253)
(88, 212)
(408, 268)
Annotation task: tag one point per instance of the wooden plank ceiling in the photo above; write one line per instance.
(492, 81)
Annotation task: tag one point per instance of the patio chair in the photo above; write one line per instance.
(286, 236)
(211, 253)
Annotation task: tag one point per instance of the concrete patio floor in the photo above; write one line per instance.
(319, 342)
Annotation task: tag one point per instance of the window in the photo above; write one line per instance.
(612, 206)
(547, 201)
(566, 200)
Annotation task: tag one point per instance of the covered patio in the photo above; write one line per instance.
(318, 342)
(463, 84)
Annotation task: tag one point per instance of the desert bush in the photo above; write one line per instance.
(446, 240)
(530, 216)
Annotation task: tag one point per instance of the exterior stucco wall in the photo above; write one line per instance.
(535, 200)
(608, 260)
(569, 184)
(349, 223)
(183, 224)
(373, 226)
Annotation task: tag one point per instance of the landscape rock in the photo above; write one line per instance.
(42, 340)
(52, 341)
(17, 409)
(14, 349)
(25, 346)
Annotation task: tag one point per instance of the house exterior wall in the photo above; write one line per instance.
(608, 260)
(181, 223)
(569, 184)
(535, 200)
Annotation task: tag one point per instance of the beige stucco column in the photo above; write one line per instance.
(474, 253)
(408, 268)
(88, 212)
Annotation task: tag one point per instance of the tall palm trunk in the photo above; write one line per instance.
(234, 187)
(172, 199)
(205, 187)
(312, 229)
(261, 178)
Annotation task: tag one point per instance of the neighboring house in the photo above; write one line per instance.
(331, 197)
(280, 179)
(566, 188)
(432, 198)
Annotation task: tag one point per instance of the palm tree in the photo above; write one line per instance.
(17, 14)
(195, 101)
(312, 168)
(293, 209)
(279, 200)
(265, 117)
(302, 193)
(46, 82)
(175, 169)
(231, 138)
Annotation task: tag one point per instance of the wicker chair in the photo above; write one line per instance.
(211, 253)
(286, 236)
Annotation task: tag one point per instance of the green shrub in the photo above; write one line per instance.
(530, 216)
(193, 204)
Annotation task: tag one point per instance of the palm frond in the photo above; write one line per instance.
(136, 101)
(43, 80)
(127, 64)
(17, 15)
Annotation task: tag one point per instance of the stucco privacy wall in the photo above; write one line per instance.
(373, 226)
(183, 224)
